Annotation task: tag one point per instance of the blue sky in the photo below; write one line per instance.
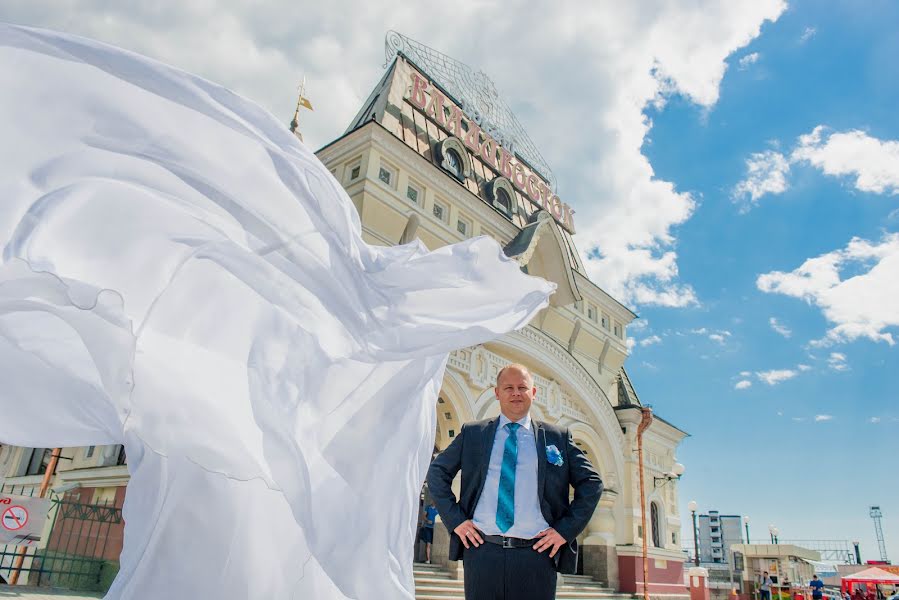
(759, 450)
(675, 129)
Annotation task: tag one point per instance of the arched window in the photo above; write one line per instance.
(654, 521)
(454, 164)
(502, 196)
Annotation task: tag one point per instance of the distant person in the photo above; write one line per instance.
(427, 530)
(765, 587)
(817, 587)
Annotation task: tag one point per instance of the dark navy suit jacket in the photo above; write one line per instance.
(470, 452)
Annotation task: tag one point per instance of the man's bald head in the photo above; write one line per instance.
(516, 368)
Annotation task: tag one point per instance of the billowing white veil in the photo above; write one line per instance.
(180, 275)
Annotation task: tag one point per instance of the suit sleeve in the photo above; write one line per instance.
(587, 490)
(440, 480)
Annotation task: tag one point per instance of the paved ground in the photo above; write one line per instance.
(30, 593)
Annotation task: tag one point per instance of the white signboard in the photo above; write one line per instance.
(22, 519)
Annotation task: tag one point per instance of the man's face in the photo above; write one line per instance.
(515, 392)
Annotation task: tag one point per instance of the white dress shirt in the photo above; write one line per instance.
(529, 520)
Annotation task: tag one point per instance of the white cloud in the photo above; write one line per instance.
(745, 373)
(779, 327)
(873, 163)
(837, 361)
(630, 57)
(804, 368)
(766, 173)
(748, 59)
(743, 384)
(631, 344)
(653, 339)
(855, 288)
(720, 336)
(807, 34)
(820, 418)
(874, 420)
(798, 419)
(775, 376)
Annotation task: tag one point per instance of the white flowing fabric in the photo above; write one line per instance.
(181, 275)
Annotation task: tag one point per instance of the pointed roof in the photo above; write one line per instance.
(543, 238)
(627, 396)
(476, 94)
(873, 575)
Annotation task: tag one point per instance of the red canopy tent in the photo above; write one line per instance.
(867, 578)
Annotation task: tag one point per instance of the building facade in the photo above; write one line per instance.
(717, 533)
(435, 154)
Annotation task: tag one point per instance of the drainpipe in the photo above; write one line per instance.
(644, 425)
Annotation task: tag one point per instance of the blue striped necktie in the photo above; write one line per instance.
(505, 503)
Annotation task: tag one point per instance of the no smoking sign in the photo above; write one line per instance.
(22, 519)
(14, 518)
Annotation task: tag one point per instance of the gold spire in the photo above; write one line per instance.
(302, 102)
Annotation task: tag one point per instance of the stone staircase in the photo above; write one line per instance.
(432, 582)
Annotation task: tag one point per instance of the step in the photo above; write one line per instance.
(434, 577)
(423, 583)
(439, 592)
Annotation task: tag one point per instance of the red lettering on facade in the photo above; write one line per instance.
(488, 151)
(505, 163)
(5, 500)
(518, 178)
(545, 194)
(473, 138)
(435, 108)
(419, 86)
(532, 188)
(455, 122)
(556, 208)
(569, 218)
(443, 111)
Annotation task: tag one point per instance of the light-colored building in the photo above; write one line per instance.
(716, 534)
(788, 565)
(435, 154)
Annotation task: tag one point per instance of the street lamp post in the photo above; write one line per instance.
(746, 524)
(692, 508)
(775, 532)
(858, 554)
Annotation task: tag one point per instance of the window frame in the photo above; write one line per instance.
(655, 521)
(444, 209)
(419, 193)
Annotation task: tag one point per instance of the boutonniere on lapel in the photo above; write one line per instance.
(553, 456)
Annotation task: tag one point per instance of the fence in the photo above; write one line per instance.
(82, 547)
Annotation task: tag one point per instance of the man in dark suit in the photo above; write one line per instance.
(513, 524)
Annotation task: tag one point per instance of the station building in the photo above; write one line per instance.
(435, 154)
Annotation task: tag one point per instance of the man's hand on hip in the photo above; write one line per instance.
(549, 538)
(468, 533)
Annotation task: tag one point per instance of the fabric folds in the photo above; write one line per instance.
(180, 275)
